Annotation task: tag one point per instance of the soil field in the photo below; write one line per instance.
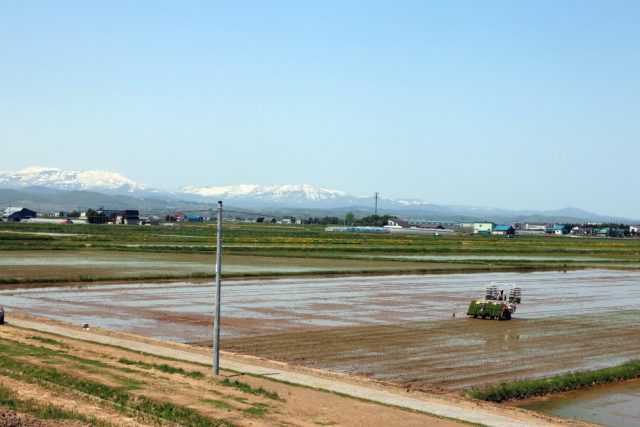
(394, 328)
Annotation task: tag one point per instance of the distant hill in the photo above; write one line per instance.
(52, 189)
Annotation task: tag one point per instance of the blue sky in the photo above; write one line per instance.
(512, 104)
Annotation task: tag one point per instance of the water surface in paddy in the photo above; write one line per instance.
(480, 257)
(282, 304)
(616, 405)
(121, 263)
(395, 328)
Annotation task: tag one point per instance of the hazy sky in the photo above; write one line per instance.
(509, 104)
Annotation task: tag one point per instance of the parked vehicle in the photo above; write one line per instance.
(496, 303)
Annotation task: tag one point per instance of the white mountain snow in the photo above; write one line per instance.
(69, 180)
(276, 192)
(115, 183)
(257, 196)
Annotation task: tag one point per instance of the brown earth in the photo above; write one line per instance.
(454, 355)
(9, 418)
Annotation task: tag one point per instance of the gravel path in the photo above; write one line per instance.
(466, 411)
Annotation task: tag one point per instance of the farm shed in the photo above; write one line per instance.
(17, 214)
(559, 229)
(483, 227)
(129, 217)
(504, 230)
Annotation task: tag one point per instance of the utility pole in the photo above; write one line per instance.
(216, 317)
(376, 199)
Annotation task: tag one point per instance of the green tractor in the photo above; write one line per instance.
(496, 305)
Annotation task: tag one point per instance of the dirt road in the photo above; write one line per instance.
(445, 406)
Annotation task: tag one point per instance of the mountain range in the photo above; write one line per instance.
(58, 189)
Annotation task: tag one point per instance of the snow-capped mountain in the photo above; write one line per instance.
(47, 178)
(293, 194)
(51, 180)
(93, 180)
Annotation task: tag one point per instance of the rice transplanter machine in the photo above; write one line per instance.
(496, 303)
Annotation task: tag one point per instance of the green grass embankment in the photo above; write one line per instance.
(119, 398)
(527, 388)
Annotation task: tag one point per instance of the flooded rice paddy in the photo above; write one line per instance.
(394, 328)
(614, 405)
(482, 257)
(73, 264)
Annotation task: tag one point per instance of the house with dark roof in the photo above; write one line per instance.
(17, 214)
(112, 216)
(503, 230)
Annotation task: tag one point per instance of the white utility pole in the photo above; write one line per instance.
(216, 317)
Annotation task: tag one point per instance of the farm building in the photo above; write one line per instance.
(559, 229)
(503, 230)
(483, 227)
(128, 217)
(535, 226)
(610, 232)
(397, 223)
(17, 214)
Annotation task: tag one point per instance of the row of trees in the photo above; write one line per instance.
(350, 220)
(97, 217)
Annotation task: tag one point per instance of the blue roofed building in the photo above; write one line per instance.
(483, 227)
(560, 229)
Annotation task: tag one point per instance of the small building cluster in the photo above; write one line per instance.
(391, 224)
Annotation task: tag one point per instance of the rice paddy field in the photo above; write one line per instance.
(41, 253)
(389, 307)
(400, 329)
